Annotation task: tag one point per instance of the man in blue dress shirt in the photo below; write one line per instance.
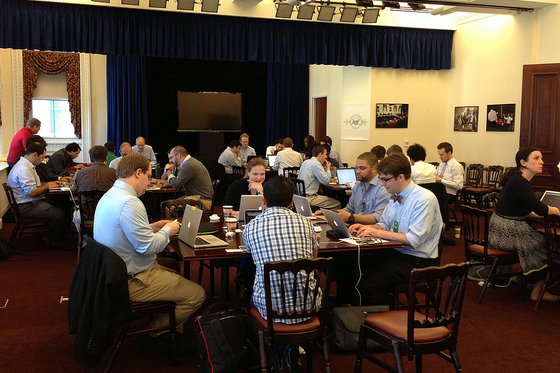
(314, 172)
(121, 223)
(412, 218)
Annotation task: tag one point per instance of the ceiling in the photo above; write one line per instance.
(444, 14)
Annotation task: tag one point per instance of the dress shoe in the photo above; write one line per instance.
(547, 297)
(449, 241)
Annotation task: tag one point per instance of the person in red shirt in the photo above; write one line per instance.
(18, 142)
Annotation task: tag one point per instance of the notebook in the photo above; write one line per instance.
(249, 202)
(551, 198)
(302, 207)
(346, 175)
(189, 231)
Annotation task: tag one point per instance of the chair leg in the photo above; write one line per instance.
(263, 352)
(117, 348)
(14, 234)
(398, 358)
(456, 362)
(492, 270)
(418, 362)
(543, 290)
(326, 355)
(360, 352)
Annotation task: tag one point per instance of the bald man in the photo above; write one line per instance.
(145, 150)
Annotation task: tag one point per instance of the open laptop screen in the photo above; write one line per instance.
(551, 198)
(346, 175)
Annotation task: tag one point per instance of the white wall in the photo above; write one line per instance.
(99, 99)
(488, 59)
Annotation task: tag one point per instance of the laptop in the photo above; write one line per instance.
(271, 160)
(551, 198)
(340, 230)
(189, 231)
(346, 175)
(302, 207)
(251, 214)
(249, 202)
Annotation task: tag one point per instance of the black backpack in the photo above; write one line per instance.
(221, 335)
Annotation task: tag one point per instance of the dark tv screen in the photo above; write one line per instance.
(209, 111)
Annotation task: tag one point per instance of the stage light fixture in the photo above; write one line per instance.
(326, 13)
(348, 14)
(306, 12)
(210, 6)
(102, 1)
(284, 10)
(415, 6)
(391, 4)
(158, 3)
(370, 15)
(185, 4)
(130, 2)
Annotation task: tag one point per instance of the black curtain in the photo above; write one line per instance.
(127, 115)
(288, 102)
(108, 30)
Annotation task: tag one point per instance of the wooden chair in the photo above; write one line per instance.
(473, 177)
(291, 172)
(238, 172)
(490, 201)
(300, 187)
(475, 231)
(311, 291)
(552, 234)
(435, 164)
(412, 333)
(87, 202)
(215, 186)
(26, 225)
(174, 208)
(490, 178)
(138, 310)
(403, 288)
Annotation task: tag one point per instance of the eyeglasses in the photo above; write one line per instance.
(172, 156)
(387, 179)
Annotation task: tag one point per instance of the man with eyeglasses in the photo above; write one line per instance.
(412, 218)
(192, 177)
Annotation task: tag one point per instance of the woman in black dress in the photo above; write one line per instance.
(253, 184)
(508, 229)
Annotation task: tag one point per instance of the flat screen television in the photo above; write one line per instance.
(209, 111)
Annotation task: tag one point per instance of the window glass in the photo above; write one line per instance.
(54, 115)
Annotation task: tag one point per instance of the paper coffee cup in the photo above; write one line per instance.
(231, 224)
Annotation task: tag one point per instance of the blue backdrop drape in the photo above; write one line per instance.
(126, 94)
(287, 102)
(130, 32)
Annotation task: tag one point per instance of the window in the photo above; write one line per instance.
(54, 115)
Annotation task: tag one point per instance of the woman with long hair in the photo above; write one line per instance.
(308, 144)
(508, 229)
(252, 184)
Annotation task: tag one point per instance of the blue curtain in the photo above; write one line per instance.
(108, 30)
(126, 98)
(288, 102)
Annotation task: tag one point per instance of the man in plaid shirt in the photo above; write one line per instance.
(277, 234)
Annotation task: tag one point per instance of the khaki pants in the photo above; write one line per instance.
(324, 202)
(162, 284)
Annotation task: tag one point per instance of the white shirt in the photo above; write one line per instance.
(452, 177)
(423, 173)
(287, 158)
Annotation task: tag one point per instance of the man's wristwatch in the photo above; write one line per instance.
(351, 218)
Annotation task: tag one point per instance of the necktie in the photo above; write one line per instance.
(443, 169)
(396, 198)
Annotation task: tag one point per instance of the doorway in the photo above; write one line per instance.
(320, 114)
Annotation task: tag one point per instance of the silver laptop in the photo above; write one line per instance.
(189, 231)
(271, 160)
(346, 175)
(303, 207)
(339, 226)
(249, 202)
(336, 223)
(551, 198)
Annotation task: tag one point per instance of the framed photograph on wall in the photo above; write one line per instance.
(500, 117)
(466, 119)
(391, 116)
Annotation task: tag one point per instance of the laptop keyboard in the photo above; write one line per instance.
(201, 241)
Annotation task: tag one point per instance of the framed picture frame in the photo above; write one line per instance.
(391, 116)
(500, 117)
(465, 119)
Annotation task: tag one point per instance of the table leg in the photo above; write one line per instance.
(225, 283)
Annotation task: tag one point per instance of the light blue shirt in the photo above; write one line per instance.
(148, 152)
(121, 223)
(313, 174)
(24, 180)
(370, 201)
(417, 216)
(247, 153)
(229, 158)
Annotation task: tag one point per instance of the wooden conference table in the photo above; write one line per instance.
(232, 251)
